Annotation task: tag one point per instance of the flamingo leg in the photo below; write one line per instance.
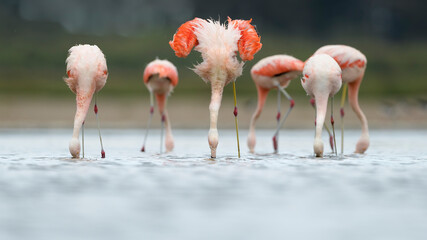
(331, 138)
(83, 139)
(163, 116)
(149, 121)
(333, 125)
(276, 137)
(287, 113)
(344, 91)
(292, 103)
(235, 112)
(99, 128)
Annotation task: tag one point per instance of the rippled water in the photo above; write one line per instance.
(184, 195)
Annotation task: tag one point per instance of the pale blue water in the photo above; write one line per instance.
(185, 195)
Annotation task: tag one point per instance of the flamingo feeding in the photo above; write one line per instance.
(353, 65)
(321, 80)
(274, 72)
(87, 73)
(160, 77)
(218, 43)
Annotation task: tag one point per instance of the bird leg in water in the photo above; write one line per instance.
(292, 103)
(344, 91)
(83, 139)
(332, 123)
(235, 112)
(276, 137)
(162, 126)
(95, 109)
(149, 121)
(331, 138)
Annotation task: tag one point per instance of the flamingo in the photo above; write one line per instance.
(218, 43)
(160, 77)
(87, 73)
(353, 65)
(321, 80)
(274, 72)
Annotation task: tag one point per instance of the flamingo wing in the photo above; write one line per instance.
(184, 39)
(249, 42)
(345, 56)
(277, 65)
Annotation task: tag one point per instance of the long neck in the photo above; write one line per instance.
(83, 100)
(321, 108)
(262, 96)
(353, 90)
(161, 103)
(217, 87)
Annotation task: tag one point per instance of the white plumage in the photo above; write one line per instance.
(218, 46)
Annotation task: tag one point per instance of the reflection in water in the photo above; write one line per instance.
(44, 194)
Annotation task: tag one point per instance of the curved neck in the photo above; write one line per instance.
(216, 97)
(321, 108)
(83, 100)
(353, 90)
(262, 96)
(215, 104)
(161, 102)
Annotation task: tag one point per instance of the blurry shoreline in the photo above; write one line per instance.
(191, 112)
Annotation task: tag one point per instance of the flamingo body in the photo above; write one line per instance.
(277, 68)
(321, 80)
(160, 77)
(353, 65)
(87, 73)
(218, 44)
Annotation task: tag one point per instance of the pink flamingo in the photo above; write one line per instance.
(87, 73)
(353, 65)
(218, 44)
(160, 77)
(321, 80)
(274, 72)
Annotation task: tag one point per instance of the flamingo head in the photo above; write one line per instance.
(74, 147)
(363, 144)
(318, 147)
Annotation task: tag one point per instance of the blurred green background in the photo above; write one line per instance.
(36, 35)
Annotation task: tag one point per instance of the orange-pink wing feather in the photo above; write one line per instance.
(278, 66)
(184, 39)
(249, 43)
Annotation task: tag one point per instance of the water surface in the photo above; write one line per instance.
(185, 195)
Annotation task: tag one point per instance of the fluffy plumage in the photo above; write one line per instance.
(84, 63)
(218, 44)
